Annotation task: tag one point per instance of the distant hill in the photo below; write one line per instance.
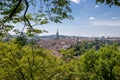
(60, 37)
(38, 37)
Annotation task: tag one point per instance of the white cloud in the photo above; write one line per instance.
(76, 1)
(96, 6)
(91, 18)
(114, 17)
(105, 23)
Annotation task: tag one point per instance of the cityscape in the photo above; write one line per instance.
(58, 42)
(59, 39)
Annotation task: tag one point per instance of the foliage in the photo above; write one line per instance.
(67, 54)
(25, 63)
(20, 40)
(85, 46)
(32, 62)
(109, 2)
(18, 11)
(102, 64)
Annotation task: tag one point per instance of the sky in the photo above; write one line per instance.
(90, 20)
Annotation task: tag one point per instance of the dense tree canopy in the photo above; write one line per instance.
(35, 63)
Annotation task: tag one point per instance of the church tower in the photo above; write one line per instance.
(57, 35)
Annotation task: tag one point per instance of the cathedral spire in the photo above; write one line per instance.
(57, 35)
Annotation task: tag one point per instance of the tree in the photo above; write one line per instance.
(16, 11)
(109, 2)
(67, 54)
(26, 63)
(20, 40)
(102, 64)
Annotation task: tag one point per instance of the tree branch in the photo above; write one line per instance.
(27, 5)
(13, 12)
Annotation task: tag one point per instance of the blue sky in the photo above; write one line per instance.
(95, 20)
(90, 20)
